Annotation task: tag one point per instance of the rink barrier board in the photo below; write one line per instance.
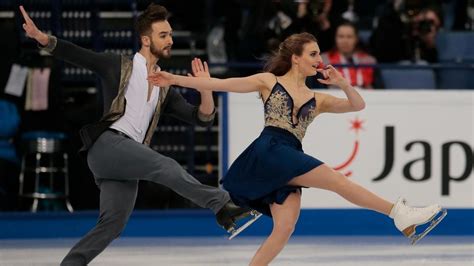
(196, 223)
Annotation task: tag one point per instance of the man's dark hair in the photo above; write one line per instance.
(153, 13)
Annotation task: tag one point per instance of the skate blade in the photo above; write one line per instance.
(234, 232)
(433, 224)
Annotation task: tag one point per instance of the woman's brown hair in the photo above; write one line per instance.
(280, 61)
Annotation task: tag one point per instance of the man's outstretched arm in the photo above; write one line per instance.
(99, 63)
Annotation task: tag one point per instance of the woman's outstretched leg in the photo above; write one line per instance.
(285, 217)
(326, 178)
(406, 218)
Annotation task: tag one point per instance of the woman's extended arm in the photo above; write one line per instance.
(244, 84)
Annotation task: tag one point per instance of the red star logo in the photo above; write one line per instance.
(356, 125)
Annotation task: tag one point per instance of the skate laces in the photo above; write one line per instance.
(410, 209)
(401, 206)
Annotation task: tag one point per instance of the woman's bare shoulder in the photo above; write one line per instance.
(266, 79)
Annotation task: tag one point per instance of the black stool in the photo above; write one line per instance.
(45, 157)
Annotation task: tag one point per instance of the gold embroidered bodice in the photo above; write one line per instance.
(279, 112)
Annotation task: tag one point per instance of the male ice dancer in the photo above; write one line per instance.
(117, 145)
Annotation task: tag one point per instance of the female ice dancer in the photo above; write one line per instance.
(269, 174)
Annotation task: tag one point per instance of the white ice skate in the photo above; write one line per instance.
(235, 230)
(407, 218)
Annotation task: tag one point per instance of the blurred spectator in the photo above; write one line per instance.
(406, 30)
(343, 10)
(253, 28)
(464, 15)
(229, 15)
(321, 17)
(281, 23)
(426, 25)
(313, 17)
(346, 52)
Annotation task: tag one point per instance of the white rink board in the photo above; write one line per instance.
(428, 119)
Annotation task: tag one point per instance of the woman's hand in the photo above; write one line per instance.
(199, 69)
(161, 79)
(332, 77)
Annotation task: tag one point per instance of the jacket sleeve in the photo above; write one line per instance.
(179, 108)
(100, 63)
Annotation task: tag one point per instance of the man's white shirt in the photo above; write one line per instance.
(138, 111)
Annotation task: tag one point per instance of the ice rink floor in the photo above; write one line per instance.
(434, 250)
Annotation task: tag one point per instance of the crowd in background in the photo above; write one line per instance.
(393, 30)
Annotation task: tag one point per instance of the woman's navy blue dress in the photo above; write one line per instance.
(260, 175)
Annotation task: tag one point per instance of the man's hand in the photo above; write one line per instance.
(199, 69)
(31, 30)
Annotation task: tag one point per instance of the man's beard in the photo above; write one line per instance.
(158, 53)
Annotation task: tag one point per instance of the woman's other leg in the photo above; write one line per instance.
(285, 217)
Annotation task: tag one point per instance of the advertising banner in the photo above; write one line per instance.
(415, 144)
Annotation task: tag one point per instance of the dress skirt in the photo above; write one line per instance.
(260, 175)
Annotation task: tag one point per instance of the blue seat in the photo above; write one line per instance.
(9, 122)
(31, 135)
(456, 78)
(408, 78)
(455, 46)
